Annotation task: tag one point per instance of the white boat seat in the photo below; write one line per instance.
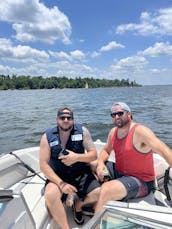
(12, 171)
(36, 201)
(32, 190)
(36, 204)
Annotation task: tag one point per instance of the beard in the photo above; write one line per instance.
(65, 129)
(121, 123)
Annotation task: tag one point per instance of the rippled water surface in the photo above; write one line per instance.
(24, 115)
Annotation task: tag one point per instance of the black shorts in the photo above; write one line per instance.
(135, 187)
(84, 183)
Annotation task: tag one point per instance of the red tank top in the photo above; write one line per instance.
(131, 162)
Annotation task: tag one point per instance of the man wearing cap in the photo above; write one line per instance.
(65, 164)
(132, 174)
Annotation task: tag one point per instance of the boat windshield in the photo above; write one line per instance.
(119, 215)
(109, 221)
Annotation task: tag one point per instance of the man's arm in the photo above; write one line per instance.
(104, 155)
(44, 158)
(88, 144)
(150, 139)
(48, 171)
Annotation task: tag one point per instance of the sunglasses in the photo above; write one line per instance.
(120, 113)
(66, 117)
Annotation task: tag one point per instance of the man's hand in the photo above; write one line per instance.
(67, 188)
(69, 159)
(99, 171)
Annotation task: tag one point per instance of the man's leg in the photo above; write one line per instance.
(111, 190)
(55, 205)
(91, 198)
(122, 188)
(88, 190)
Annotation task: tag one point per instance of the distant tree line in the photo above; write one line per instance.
(38, 82)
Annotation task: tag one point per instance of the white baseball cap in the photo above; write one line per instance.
(122, 105)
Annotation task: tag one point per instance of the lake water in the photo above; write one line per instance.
(26, 114)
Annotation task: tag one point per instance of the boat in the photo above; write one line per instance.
(22, 203)
(86, 85)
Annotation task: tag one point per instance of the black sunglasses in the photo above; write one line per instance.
(66, 117)
(120, 113)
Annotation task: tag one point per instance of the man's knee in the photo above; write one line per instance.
(52, 192)
(95, 191)
(114, 189)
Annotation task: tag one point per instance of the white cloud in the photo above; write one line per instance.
(95, 54)
(81, 40)
(33, 21)
(7, 70)
(20, 53)
(132, 61)
(110, 46)
(60, 55)
(157, 71)
(159, 49)
(68, 69)
(159, 23)
(77, 55)
(58, 68)
(129, 66)
(29, 70)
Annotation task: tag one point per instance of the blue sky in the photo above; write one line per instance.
(107, 39)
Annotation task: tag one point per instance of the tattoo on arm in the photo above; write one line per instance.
(87, 140)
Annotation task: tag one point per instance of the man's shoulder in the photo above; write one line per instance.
(112, 131)
(85, 130)
(142, 129)
(78, 127)
(51, 130)
(138, 126)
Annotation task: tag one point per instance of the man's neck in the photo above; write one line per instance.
(64, 136)
(123, 131)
